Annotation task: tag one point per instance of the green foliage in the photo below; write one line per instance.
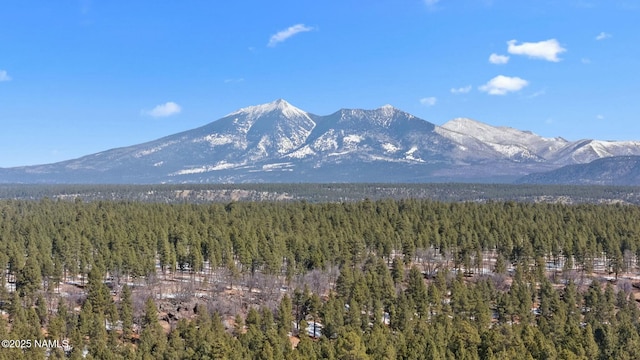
(126, 311)
(153, 343)
(394, 260)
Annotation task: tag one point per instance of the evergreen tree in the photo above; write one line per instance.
(397, 270)
(285, 317)
(350, 346)
(97, 292)
(417, 291)
(126, 311)
(28, 278)
(153, 342)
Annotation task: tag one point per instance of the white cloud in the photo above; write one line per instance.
(461, 90)
(164, 110)
(585, 61)
(501, 85)
(546, 50)
(428, 101)
(4, 76)
(498, 59)
(600, 117)
(283, 35)
(603, 35)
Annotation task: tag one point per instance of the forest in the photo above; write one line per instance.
(332, 192)
(372, 279)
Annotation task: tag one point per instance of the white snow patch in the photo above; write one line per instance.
(260, 150)
(152, 150)
(390, 148)
(222, 165)
(511, 150)
(409, 155)
(353, 139)
(276, 166)
(287, 143)
(243, 126)
(327, 141)
(339, 153)
(387, 159)
(216, 139)
(302, 152)
(191, 171)
(600, 149)
(387, 110)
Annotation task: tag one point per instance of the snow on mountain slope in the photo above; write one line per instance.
(383, 116)
(509, 142)
(381, 135)
(496, 134)
(279, 142)
(476, 137)
(468, 148)
(279, 106)
(274, 128)
(585, 151)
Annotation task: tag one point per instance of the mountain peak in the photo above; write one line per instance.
(277, 142)
(280, 106)
(387, 109)
(463, 122)
(485, 131)
(383, 116)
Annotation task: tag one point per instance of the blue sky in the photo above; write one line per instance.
(82, 76)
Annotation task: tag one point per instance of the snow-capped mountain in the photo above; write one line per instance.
(503, 142)
(525, 146)
(277, 142)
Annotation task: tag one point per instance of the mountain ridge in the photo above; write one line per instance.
(615, 170)
(278, 142)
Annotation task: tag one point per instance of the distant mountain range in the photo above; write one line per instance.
(277, 142)
(617, 170)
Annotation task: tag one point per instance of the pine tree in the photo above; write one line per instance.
(397, 270)
(305, 348)
(417, 291)
(97, 292)
(126, 311)
(500, 266)
(350, 346)
(153, 342)
(285, 317)
(28, 279)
